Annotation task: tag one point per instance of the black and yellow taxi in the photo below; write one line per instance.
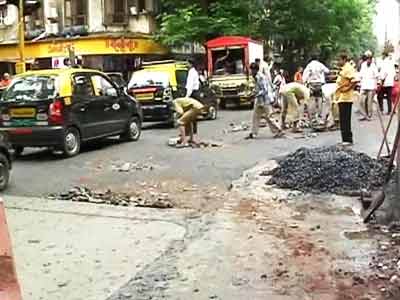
(62, 108)
(158, 83)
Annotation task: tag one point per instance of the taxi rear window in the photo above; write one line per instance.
(32, 88)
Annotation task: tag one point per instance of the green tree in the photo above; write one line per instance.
(301, 28)
(293, 29)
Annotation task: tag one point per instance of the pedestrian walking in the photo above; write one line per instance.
(396, 90)
(369, 76)
(298, 76)
(193, 82)
(388, 72)
(294, 96)
(314, 78)
(346, 83)
(262, 105)
(265, 69)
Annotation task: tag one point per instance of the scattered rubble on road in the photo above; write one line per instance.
(83, 194)
(233, 127)
(386, 263)
(328, 169)
(174, 143)
(126, 167)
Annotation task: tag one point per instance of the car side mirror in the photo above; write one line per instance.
(123, 89)
(111, 92)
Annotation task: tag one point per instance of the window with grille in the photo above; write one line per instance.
(3, 14)
(37, 19)
(141, 5)
(116, 12)
(76, 12)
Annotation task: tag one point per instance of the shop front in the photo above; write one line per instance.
(108, 53)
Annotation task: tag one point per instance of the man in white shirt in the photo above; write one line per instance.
(314, 78)
(369, 76)
(193, 82)
(388, 72)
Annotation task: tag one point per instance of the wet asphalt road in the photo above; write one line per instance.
(39, 172)
(217, 245)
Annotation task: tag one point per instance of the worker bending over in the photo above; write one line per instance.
(189, 110)
(294, 95)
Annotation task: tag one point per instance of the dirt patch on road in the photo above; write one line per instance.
(321, 255)
(167, 194)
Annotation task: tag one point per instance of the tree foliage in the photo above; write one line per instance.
(293, 29)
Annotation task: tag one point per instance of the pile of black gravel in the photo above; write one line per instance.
(328, 169)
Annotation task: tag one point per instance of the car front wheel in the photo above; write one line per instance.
(72, 142)
(18, 150)
(4, 172)
(133, 130)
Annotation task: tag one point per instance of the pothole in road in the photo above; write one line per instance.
(84, 194)
(160, 195)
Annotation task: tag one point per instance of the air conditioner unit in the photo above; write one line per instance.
(52, 14)
(133, 11)
(12, 15)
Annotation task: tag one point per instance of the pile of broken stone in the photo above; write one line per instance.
(328, 169)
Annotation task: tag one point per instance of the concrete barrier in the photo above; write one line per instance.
(9, 287)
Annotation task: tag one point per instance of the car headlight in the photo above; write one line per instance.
(242, 88)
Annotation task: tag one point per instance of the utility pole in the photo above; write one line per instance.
(20, 66)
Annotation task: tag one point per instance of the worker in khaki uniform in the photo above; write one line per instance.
(294, 96)
(189, 109)
(344, 96)
(262, 105)
(330, 113)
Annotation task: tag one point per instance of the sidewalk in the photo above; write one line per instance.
(77, 251)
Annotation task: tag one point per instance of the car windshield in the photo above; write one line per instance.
(32, 88)
(118, 79)
(142, 79)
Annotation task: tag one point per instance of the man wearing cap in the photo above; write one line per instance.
(369, 76)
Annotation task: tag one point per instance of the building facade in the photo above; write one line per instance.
(111, 35)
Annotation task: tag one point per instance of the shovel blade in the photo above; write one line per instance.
(376, 203)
